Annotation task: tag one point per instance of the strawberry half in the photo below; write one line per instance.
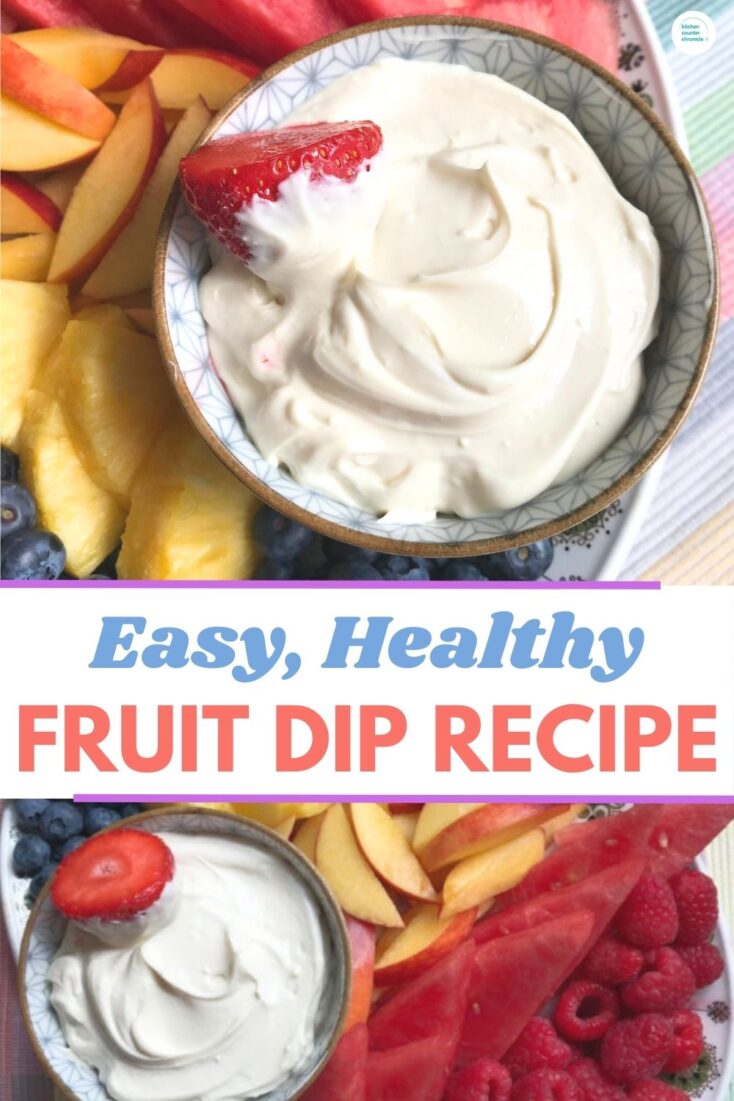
(113, 876)
(225, 175)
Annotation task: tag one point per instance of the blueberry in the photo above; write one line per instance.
(313, 560)
(127, 810)
(462, 571)
(98, 818)
(69, 846)
(281, 538)
(32, 556)
(345, 552)
(527, 563)
(38, 881)
(393, 566)
(29, 813)
(268, 570)
(17, 508)
(9, 465)
(30, 854)
(60, 821)
(353, 571)
(418, 573)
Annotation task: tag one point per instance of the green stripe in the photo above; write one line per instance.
(663, 14)
(709, 137)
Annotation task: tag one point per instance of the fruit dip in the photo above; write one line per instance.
(212, 995)
(459, 327)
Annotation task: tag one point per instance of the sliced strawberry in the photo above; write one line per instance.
(113, 876)
(223, 176)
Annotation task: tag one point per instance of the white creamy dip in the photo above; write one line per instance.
(217, 1000)
(457, 329)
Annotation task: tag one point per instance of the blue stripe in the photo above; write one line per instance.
(663, 14)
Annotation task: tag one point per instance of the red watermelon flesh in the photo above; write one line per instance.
(513, 976)
(532, 15)
(345, 1075)
(412, 1072)
(682, 832)
(589, 26)
(433, 1004)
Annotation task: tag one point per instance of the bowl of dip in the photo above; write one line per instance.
(233, 985)
(483, 343)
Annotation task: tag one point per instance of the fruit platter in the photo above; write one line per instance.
(499, 951)
(104, 476)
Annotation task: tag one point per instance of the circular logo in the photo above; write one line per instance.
(693, 33)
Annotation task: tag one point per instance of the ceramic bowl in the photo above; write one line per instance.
(77, 1081)
(647, 167)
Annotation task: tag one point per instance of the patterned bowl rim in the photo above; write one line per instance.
(310, 876)
(492, 544)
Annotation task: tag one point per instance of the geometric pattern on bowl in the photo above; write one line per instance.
(643, 168)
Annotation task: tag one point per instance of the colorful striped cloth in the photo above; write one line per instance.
(698, 480)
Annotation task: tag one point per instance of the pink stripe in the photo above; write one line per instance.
(717, 188)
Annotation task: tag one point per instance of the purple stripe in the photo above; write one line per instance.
(383, 798)
(582, 585)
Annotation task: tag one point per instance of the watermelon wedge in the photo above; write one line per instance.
(513, 976)
(48, 13)
(532, 15)
(682, 832)
(345, 1075)
(413, 1072)
(134, 19)
(589, 26)
(429, 1006)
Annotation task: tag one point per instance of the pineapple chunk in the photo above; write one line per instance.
(115, 396)
(86, 518)
(189, 518)
(32, 317)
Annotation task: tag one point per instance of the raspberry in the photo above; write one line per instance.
(484, 1080)
(585, 1011)
(705, 961)
(611, 962)
(653, 1090)
(649, 916)
(546, 1084)
(637, 1047)
(698, 906)
(687, 1041)
(537, 1046)
(593, 1082)
(667, 985)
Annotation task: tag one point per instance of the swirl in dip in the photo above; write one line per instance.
(213, 995)
(457, 329)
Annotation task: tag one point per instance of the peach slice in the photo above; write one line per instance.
(362, 943)
(127, 266)
(29, 142)
(552, 825)
(389, 852)
(89, 56)
(272, 814)
(340, 861)
(285, 828)
(483, 828)
(59, 186)
(58, 97)
(185, 74)
(107, 195)
(143, 320)
(436, 817)
(27, 257)
(407, 824)
(307, 835)
(479, 878)
(427, 937)
(25, 208)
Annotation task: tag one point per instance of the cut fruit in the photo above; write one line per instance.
(31, 143)
(144, 320)
(106, 197)
(389, 852)
(482, 828)
(307, 835)
(345, 1076)
(32, 318)
(127, 266)
(59, 186)
(47, 13)
(25, 208)
(561, 821)
(189, 517)
(414, 1072)
(532, 15)
(285, 829)
(682, 832)
(513, 977)
(430, 1006)
(272, 814)
(406, 823)
(91, 57)
(27, 258)
(38, 86)
(589, 26)
(362, 943)
(137, 18)
(479, 878)
(135, 66)
(184, 75)
(434, 818)
(340, 861)
(427, 938)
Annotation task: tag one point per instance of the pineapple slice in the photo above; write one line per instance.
(115, 395)
(86, 518)
(190, 518)
(32, 317)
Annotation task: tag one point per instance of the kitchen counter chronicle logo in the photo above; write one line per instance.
(693, 33)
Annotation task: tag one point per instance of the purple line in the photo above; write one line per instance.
(582, 585)
(391, 798)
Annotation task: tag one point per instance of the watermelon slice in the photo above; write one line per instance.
(431, 1005)
(531, 15)
(413, 1072)
(513, 976)
(133, 18)
(48, 13)
(589, 26)
(682, 832)
(345, 1075)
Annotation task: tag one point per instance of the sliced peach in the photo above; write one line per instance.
(362, 944)
(56, 96)
(59, 186)
(29, 142)
(135, 66)
(552, 825)
(25, 208)
(407, 824)
(340, 861)
(389, 852)
(307, 835)
(127, 266)
(89, 56)
(27, 257)
(185, 74)
(427, 937)
(143, 320)
(484, 828)
(436, 817)
(479, 878)
(285, 828)
(107, 195)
